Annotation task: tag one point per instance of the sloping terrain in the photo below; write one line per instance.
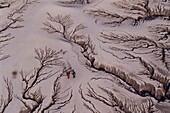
(85, 56)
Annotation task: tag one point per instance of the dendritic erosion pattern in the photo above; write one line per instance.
(132, 65)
